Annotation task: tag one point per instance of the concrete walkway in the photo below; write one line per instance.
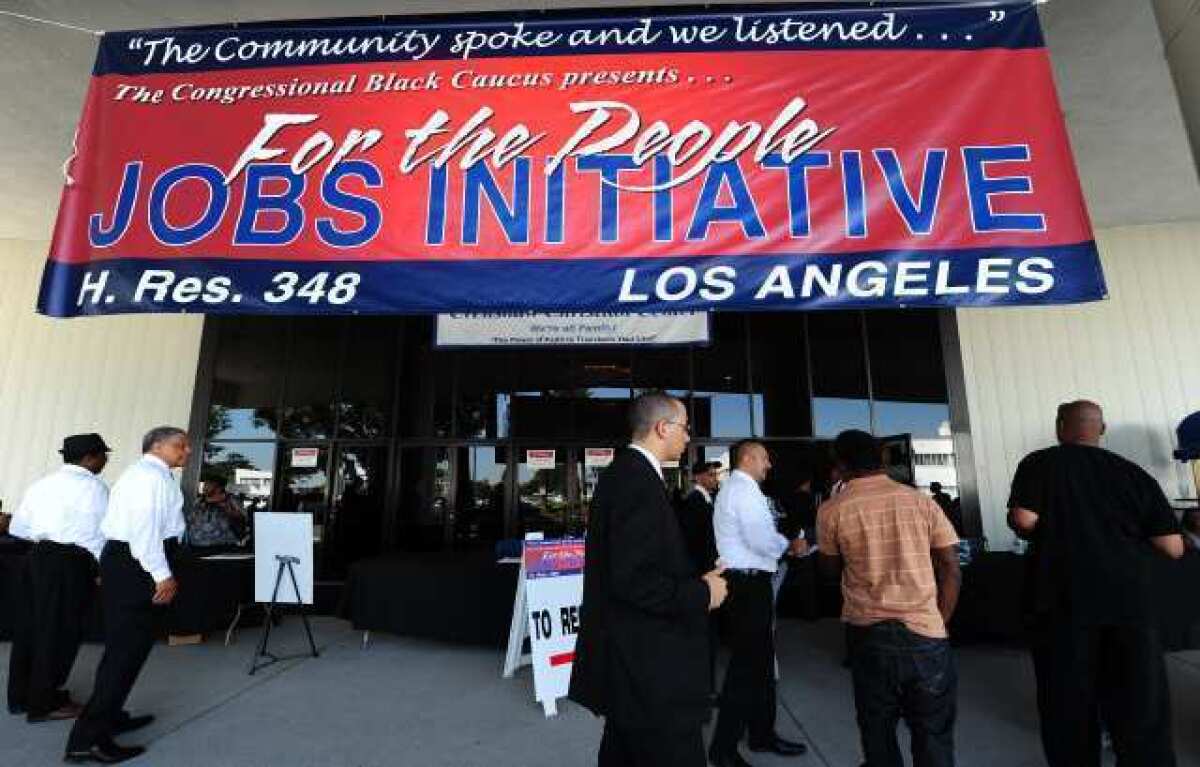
(407, 702)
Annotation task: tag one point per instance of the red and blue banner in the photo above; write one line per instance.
(755, 157)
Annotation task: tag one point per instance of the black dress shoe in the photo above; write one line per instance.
(726, 759)
(127, 723)
(781, 746)
(104, 753)
(69, 711)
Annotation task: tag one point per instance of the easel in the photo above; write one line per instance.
(285, 563)
(518, 631)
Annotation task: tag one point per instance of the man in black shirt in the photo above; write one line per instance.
(1093, 518)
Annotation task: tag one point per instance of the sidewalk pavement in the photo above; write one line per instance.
(424, 704)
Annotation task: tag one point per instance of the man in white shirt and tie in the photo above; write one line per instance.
(144, 509)
(60, 514)
(750, 548)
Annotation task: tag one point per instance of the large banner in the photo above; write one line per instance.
(585, 161)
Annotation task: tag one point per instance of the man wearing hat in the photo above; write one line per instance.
(61, 515)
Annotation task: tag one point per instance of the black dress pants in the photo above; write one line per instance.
(714, 646)
(20, 656)
(56, 591)
(636, 747)
(61, 580)
(127, 592)
(1114, 674)
(748, 693)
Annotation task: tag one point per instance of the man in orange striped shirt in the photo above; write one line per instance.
(897, 556)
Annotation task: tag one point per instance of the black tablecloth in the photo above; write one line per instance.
(14, 586)
(805, 593)
(459, 597)
(990, 606)
(210, 591)
(468, 598)
(209, 594)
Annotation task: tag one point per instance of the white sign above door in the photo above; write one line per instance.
(481, 330)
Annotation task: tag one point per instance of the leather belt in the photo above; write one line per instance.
(748, 573)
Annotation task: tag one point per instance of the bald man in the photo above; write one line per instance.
(1093, 519)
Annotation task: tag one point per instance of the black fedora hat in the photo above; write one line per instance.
(79, 445)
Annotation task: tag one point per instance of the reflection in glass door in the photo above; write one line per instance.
(545, 491)
(355, 523)
(424, 520)
(898, 457)
(304, 488)
(595, 461)
(481, 473)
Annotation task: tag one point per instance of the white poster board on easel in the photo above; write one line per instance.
(281, 534)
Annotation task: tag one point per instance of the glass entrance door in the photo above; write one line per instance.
(555, 487)
(547, 490)
(303, 472)
(898, 457)
(355, 522)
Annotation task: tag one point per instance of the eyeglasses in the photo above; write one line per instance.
(687, 428)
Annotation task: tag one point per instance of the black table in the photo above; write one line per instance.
(14, 585)
(989, 609)
(467, 598)
(210, 593)
(806, 594)
(456, 597)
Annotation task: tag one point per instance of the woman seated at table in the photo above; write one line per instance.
(216, 521)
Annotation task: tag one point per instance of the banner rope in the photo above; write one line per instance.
(543, 8)
(52, 23)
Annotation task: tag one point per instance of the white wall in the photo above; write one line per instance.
(1137, 354)
(118, 376)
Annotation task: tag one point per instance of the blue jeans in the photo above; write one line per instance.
(899, 674)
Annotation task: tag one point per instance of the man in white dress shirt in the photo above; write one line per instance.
(144, 509)
(750, 548)
(60, 514)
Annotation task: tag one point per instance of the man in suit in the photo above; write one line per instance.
(695, 516)
(695, 520)
(642, 649)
